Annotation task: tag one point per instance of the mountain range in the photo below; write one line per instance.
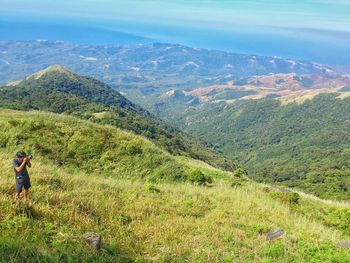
(225, 100)
(144, 65)
(186, 161)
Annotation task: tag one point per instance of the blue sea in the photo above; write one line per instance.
(328, 47)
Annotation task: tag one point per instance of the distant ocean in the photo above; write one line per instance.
(323, 47)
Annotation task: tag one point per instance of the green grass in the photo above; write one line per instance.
(89, 147)
(144, 220)
(177, 223)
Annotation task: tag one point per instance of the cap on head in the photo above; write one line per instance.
(21, 154)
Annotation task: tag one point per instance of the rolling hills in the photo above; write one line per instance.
(285, 87)
(147, 66)
(93, 177)
(104, 164)
(60, 90)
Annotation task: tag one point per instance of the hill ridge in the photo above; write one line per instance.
(60, 90)
(51, 68)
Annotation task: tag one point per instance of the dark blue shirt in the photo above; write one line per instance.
(21, 174)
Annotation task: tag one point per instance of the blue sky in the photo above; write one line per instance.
(310, 29)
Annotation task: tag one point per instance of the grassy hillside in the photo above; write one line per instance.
(57, 89)
(304, 145)
(141, 221)
(89, 147)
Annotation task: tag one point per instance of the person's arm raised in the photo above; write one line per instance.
(21, 167)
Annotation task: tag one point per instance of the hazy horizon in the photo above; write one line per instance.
(316, 30)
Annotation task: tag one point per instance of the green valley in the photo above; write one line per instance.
(303, 144)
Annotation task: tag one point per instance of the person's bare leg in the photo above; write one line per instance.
(17, 196)
(26, 194)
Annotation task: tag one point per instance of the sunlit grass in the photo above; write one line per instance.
(141, 220)
(180, 222)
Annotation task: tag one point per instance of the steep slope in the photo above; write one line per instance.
(302, 144)
(59, 79)
(57, 89)
(106, 192)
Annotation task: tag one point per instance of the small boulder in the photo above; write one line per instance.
(94, 240)
(344, 244)
(275, 234)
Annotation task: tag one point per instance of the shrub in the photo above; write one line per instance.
(129, 147)
(288, 198)
(239, 172)
(266, 189)
(235, 182)
(293, 198)
(198, 177)
(168, 172)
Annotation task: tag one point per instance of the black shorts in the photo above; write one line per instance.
(23, 182)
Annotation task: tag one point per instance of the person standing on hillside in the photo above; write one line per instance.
(20, 164)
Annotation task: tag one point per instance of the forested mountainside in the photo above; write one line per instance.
(303, 143)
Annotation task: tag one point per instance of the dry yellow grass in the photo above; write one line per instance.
(180, 223)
